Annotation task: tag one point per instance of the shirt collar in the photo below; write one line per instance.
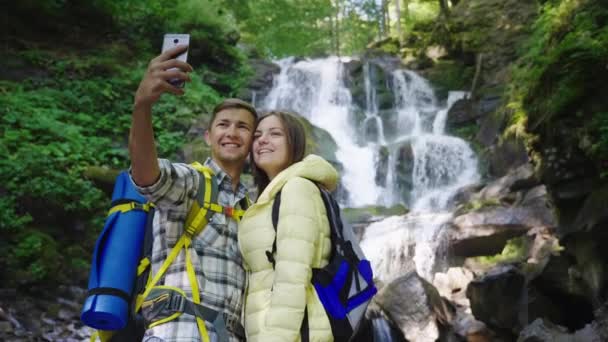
(222, 177)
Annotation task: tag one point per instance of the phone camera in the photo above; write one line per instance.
(175, 40)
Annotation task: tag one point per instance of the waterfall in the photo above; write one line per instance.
(315, 89)
(424, 167)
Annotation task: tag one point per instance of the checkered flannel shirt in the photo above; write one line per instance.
(215, 254)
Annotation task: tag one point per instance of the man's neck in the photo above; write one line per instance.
(233, 171)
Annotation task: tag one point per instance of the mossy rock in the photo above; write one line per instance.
(196, 150)
(515, 250)
(34, 258)
(366, 213)
(446, 75)
(319, 141)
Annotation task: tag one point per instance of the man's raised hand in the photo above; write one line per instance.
(156, 79)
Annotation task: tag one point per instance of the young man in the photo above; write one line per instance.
(173, 188)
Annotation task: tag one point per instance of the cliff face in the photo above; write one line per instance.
(537, 93)
(538, 117)
(539, 98)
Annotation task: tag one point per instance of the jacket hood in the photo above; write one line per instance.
(312, 167)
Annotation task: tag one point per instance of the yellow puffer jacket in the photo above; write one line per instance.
(275, 299)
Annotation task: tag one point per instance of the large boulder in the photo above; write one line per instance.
(486, 232)
(260, 83)
(421, 314)
(520, 178)
(544, 330)
(495, 297)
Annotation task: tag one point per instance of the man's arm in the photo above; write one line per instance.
(142, 148)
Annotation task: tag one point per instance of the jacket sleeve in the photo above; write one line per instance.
(299, 225)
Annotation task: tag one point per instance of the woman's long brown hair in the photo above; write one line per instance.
(296, 145)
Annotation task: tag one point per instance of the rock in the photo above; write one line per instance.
(453, 284)
(467, 327)
(486, 232)
(196, 150)
(75, 306)
(372, 213)
(261, 82)
(601, 321)
(490, 127)
(420, 317)
(544, 244)
(543, 330)
(505, 155)
(461, 113)
(66, 315)
(516, 179)
(576, 280)
(574, 189)
(6, 327)
(593, 211)
(465, 194)
(8, 293)
(496, 296)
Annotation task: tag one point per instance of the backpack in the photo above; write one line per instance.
(152, 305)
(345, 285)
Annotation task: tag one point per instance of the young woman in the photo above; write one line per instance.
(278, 296)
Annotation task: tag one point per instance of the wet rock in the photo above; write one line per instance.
(5, 327)
(462, 112)
(486, 232)
(505, 155)
(495, 297)
(66, 314)
(261, 82)
(453, 284)
(425, 311)
(520, 178)
(467, 327)
(543, 330)
(593, 211)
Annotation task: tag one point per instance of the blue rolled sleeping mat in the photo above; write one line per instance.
(115, 259)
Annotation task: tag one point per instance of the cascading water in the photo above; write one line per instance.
(424, 167)
(442, 164)
(315, 89)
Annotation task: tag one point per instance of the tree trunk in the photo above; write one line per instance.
(398, 9)
(477, 73)
(336, 25)
(445, 10)
(382, 19)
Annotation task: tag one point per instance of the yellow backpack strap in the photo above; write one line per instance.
(128, 206)
(195, 223)
(103, 335)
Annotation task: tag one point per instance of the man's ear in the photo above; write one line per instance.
(207, 137)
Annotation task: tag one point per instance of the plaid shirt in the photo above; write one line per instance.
(215, 254)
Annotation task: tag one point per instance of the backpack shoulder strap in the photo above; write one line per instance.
(206, 201)
(275, 222)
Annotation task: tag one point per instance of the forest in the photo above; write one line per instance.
(70, 69)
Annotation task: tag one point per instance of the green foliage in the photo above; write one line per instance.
(33, 257)
(477, 205)
(70, 112)
(280, 28)
(599, 147)
(467, 132)
(516, 250)
(561, 78)
(450, 75)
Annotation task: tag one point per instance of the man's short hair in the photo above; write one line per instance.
(233, 103)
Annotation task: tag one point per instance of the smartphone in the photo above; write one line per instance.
(170, 41)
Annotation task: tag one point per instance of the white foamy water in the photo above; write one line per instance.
(440, 164)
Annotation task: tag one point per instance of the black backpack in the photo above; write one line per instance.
(345, 286)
